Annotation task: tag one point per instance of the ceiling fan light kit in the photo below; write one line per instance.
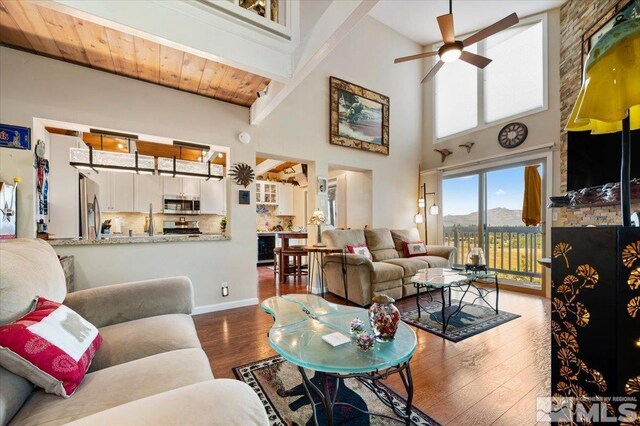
(453, 49)
(450, 52)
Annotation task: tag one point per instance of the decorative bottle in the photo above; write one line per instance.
(384, 317)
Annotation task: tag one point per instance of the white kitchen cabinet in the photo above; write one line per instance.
(191, 187)
(147, 189)
(213, 197)
(172, 185)
(181, 186)
(63, 188)
(285, 200)
(266, 192)
(122, 191)
(115, 191)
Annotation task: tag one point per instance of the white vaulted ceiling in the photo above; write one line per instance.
(417, 19)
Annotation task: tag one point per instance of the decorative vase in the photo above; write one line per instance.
(384, 318)
(364, 341)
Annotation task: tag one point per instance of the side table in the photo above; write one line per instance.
(316, 258)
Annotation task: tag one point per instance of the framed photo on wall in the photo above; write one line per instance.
(359, 118)
(605, 23)
(244, 197)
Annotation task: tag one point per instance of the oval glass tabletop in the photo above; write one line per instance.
(302, 319)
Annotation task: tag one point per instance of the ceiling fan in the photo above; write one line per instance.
(453, 49)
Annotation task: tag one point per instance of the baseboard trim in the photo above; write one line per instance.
(224, 306)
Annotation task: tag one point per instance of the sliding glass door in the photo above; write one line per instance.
(484, 209)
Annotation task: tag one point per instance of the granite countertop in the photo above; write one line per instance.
(139, 239)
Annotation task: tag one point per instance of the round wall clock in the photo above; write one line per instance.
(512, 135)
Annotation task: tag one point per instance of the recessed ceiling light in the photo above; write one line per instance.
(220, 155)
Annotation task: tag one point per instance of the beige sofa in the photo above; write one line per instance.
(389, 273)
(150, 368)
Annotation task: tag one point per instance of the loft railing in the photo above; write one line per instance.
(510, 250)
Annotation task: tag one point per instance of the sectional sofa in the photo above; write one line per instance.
(150, 368)
(388, 272)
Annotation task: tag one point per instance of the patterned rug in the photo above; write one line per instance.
(471, 320)
(279, 385)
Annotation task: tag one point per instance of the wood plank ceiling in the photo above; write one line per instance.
(277, 169)
(47, 32)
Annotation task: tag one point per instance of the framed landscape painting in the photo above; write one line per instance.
(359, 117)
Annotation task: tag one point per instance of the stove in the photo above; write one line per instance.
(180, 227)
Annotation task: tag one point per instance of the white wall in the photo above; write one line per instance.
(34, 87)
(543, 128)
(299, 128)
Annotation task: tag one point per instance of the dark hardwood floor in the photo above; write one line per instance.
(491, 378)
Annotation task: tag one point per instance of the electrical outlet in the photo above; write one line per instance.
(225, 289)
(555, 216)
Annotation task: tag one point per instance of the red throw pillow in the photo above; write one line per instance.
(414, 248)
(360, 249)
(51, 346)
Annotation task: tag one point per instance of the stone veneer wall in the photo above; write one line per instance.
(576, 17)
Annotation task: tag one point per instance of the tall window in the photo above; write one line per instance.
(514, 83)
(456, 98)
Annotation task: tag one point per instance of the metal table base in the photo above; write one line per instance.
(328, 401)
(467, 287)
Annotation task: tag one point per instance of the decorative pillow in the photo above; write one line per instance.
(414, 248)
(52, 346)
(360, 249)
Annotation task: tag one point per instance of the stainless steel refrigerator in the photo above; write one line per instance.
(90, 214)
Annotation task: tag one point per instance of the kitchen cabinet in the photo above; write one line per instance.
(115, 191)
(285, 200)
(147, 189)
(63, 188)
(191, 187)
(266, 193)
(181, 186)
(213, 197)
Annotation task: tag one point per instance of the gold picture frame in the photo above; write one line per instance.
(359, 118)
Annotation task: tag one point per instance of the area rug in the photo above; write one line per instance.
(279, 385)
(471, 320)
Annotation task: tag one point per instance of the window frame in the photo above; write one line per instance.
(482, 123)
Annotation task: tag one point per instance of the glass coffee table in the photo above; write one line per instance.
(300, 321)
(446, 280)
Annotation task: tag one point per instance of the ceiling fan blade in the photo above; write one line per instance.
(473, 59)
(412, 57)
(433, 71)
(445, 22)
(492, 29)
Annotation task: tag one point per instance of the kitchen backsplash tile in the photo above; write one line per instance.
(266, 218)
(209, 223)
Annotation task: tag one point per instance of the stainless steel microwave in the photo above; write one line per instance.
(180, 204)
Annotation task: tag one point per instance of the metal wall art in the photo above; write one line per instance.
(242, 174)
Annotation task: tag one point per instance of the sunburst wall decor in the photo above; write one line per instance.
(242, 174)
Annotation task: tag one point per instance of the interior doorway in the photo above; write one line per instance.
(349, 199)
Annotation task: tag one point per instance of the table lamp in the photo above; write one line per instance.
(318, 219)
(609, 99)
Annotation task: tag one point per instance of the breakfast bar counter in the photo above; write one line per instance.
(136, 239)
